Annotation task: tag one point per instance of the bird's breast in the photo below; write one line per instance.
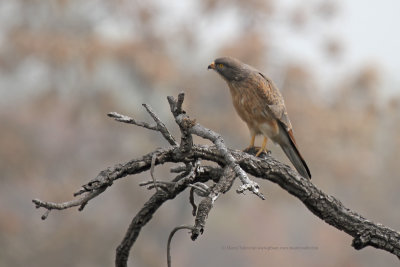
(250, 109)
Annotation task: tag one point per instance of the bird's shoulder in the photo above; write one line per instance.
(267, 89)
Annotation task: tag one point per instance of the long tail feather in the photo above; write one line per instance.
(292, 152)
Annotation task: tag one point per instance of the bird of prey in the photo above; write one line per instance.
(260, 104)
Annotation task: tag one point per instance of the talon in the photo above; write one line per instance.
(263, 147)
(259, 152)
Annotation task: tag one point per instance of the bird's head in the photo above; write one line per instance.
(230, 68)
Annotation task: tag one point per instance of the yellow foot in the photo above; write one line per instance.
(249, 148)
(263, 147)
(253, 138)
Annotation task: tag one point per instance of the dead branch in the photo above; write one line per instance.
(190, 173)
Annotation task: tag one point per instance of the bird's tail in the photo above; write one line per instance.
(292, 152)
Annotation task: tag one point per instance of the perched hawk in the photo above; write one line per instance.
(259, 103)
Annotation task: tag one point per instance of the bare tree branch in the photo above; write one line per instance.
(189, 125)
(152, 166)
(223, 185)
(129, 120)
(231, 164)
(149, 208)
(161, 126)
(68, 204)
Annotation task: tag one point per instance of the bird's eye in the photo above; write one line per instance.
(220, 66)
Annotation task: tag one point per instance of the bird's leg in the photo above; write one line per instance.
(253, 138)
(263, 147)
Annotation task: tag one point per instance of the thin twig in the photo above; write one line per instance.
(199, 189)
(158, 184)
(151, 183)
(161, 126)
(126, 119)
(171, 235)
(68, 204)
(178, 169)
(153, 164)
(191, 201)
(181, 97)
(184, 124)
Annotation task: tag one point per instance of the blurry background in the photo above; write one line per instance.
(65, 64)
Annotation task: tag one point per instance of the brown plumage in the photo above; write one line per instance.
(260, 104)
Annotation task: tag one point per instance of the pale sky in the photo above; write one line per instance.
(369, 31)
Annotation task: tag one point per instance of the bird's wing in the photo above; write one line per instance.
(276, 107)
(273, 101)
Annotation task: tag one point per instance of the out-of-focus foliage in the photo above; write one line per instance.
(65, 64)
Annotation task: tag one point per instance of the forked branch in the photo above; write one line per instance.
(190, 173)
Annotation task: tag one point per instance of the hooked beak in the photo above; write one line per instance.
(211, 66)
